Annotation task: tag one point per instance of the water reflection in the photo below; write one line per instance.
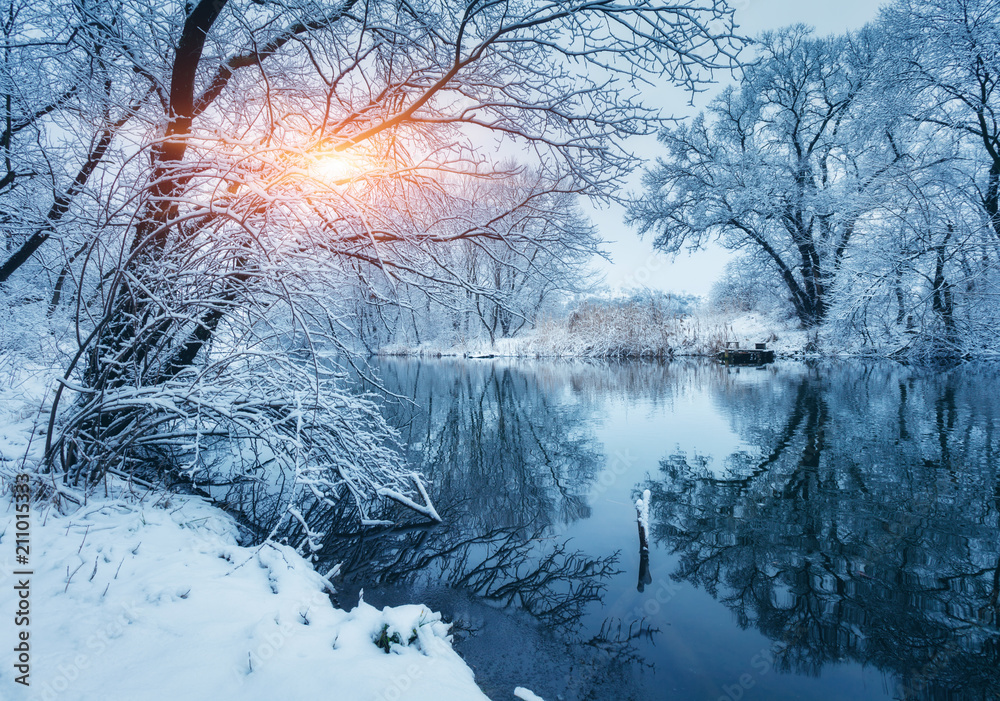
(849, 513)
(497, 442)
(864, 524)
(510, 463)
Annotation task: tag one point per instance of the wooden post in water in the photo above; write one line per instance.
(642, 519)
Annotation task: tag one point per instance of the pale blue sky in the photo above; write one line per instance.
(635, 264)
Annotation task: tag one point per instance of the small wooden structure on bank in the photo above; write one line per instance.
(734, 355)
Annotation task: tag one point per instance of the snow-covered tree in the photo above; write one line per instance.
(514, 245)
(533, 244)
(67, 95)
(923, 280)
(747, 284)
(273, 155)
(787, 165)
(946, 53)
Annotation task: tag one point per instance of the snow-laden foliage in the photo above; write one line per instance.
(747, 285)
(643, 324)
(858, 174)
(625, 330)
(534, 249)
(788, 164)
(220, 194)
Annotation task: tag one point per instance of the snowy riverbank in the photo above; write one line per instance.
(140, 595)
(632, 334)
(610, 336)
(143, 595)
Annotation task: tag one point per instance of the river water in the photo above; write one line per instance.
(818, 531)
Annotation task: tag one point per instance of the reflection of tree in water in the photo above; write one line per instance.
(508, 459)
(865, 526)
(498, 446)
(527, 571)
(543, 577)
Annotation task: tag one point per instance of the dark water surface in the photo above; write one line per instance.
(827, 531)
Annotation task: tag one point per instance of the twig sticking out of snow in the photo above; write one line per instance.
(69, 576)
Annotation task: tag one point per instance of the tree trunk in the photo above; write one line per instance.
(942, 301)
(134, 329)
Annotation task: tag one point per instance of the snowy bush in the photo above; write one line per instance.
(631, 328)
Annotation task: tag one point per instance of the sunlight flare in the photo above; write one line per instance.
(337, 168)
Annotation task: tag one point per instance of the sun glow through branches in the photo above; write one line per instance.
(337, 168)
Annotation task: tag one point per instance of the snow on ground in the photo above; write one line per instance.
(782, 336)
(143, 595)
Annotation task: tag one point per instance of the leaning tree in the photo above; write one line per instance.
(267, 156)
